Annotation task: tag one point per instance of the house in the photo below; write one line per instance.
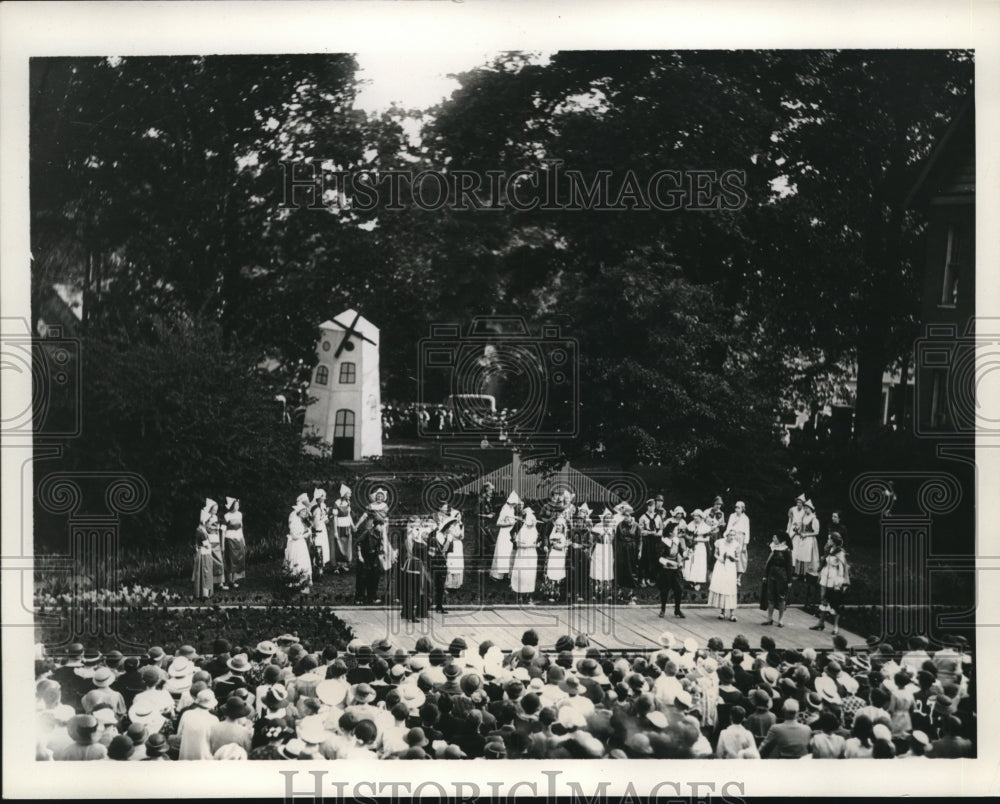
(945, 193)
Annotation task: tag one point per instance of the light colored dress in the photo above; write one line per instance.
(524, 568)
(795, 515)
(215, 539)
(297, 546)
(455, 561)
(342, 548)
(320, 516)
(602, 559)
(805, 547)
(722, 590)
(696, 567)
(235, 552)
(740, 525)
(834, 573)
(555, 565)
(203, 561)
(504, 546)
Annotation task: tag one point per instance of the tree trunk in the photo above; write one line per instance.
(868, 406)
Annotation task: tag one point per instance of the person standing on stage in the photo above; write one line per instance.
(341, 552)
(795, 514)
(524, 568)
(504, 546)
(297, 542)
(456, 558)
(722, 591)
(202, 576)
(602, 559)
(777, 575)
(486, 512)
(415, 575)
(671, 552)
(650, 527)
(834, 579)
(696, 566)
(438, 548)
(805, 552)
(739, 523)
(234, 545)
(320, 518)
(368, 544)
(555, 564)
(578, 557)
(553, 507)
(660, 510)
(210, 521)
(628, 539)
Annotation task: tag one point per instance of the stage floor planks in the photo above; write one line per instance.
(609, 627)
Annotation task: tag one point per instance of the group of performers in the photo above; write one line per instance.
(220, 549)
(561, 553)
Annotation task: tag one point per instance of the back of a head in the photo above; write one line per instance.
(789, 708)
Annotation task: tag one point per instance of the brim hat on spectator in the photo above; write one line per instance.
(760, 698)
(92, 656)
(266, 648)
(769, 675)
(235, 708)
(452, 671)
(121, 747)
(143, 711)
(239, 663)
(104, 677)
(181, 667)
(311, 730)
(206, 699)
(83, 729)
(156, 745)
(277, 696)
(293, 749)
(412, 696)
(362, 693)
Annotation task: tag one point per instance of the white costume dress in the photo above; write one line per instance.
(805, 547)
(297, 546)
(555, 564)
(722, 593)
(524, 568)
(456, 558)
(696, 566)
(504, 546)
(740, 525)
(320, 516)
(602, 559)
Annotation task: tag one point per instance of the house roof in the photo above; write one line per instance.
(950, 168)
(518, 476)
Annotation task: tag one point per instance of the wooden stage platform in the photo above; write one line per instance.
(609, 627)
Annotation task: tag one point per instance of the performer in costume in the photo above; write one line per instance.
(650, 527)
(203, 574)
(368, 544)
(210, 519)
(504, 547)
(716, 518)
(777, 576)
(805, 552)
(722, 592)
(627, 542)
(555, 565)
(320, 518)
(234, 545)
(297, 542)
(696, 565)
(795, 514)
(415, 575)
(342, 548)
(456, 558)
(524, 569)
(602, 559)
(438, 548)
(487, 514)
(580, 542)
(834, 579)
(671, 553)
(739, 523)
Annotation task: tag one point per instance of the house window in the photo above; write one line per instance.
(952, 267)
(343, 424)
(347, 373)
(322, 375)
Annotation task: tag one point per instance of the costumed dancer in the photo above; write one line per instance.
(504, 547)
(438, 548)
(795, 514)
(368, 544)
(456, 558)
(524, 568)
(578, 568)
(320, 518)
(415, 575)
(602, 559)
(805, 552)
(777, 576)
(297, 543)
(235, 546)
(342, 548)
(555, 564)
(650, 527)
(739, 523)
(834, 579)
(203, 561)
(716, 517)
(378, 509)
(627, 543)
(210, 519)
(696, 565)
(722, 592)
(486, 514)
(671, 552)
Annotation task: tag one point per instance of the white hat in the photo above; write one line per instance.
(209, 502)
(319, 494)
(881, 732)
(230, 502)
(513, 499)
(678, 511)
(302, 501)
(697, 512)
(809, 504)
(311, 730)
(378, 491)
(344, 490)
(667, 639)
(683, 699)
(690, 645)
(583, 509)
(801, 498)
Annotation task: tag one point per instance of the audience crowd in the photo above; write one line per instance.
(284, 700)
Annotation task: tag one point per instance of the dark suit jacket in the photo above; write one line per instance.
(786, 740)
